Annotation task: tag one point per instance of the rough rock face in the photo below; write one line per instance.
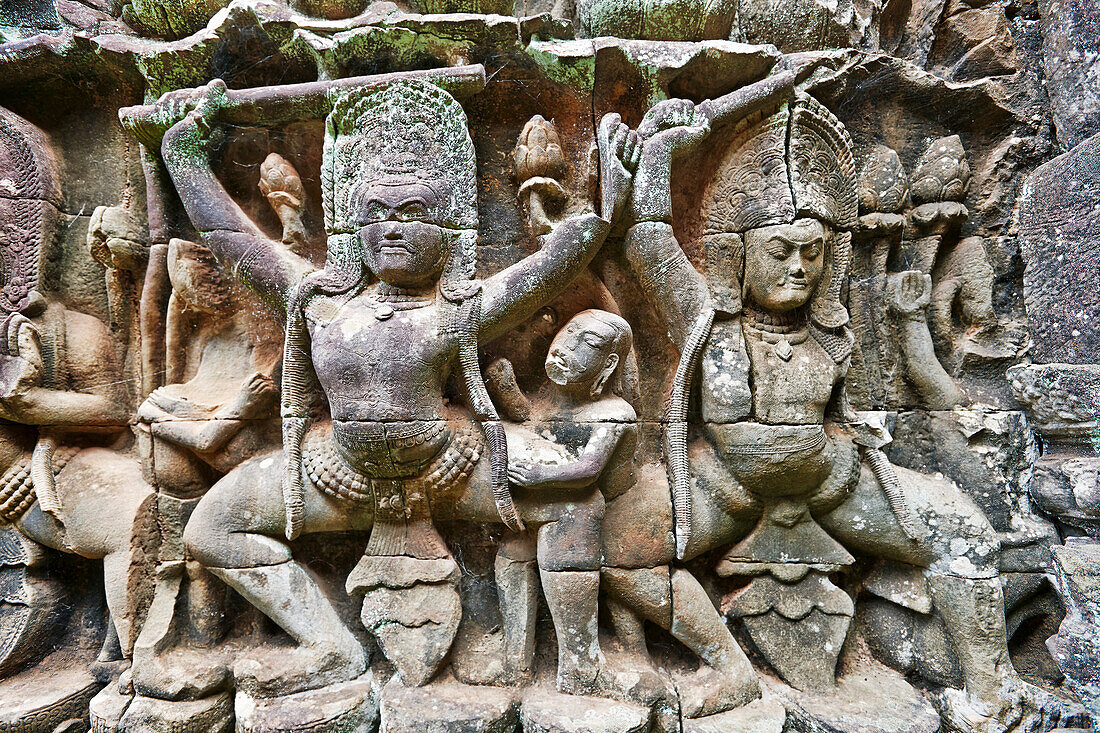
(1071, 46)
(564, 366)
(1059, 224)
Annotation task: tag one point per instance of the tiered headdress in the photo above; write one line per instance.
(403, 131)
(794, 163)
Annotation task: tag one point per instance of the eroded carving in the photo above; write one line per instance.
(441, 399)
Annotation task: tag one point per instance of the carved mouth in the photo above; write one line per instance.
(393, 247)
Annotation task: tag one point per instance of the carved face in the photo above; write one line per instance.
(784, 264)
(583, 353)
(401, 244)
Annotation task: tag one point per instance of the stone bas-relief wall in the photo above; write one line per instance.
(602, 366)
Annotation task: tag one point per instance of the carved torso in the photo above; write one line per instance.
(381, 369)
(383, 365)
(573, 429)
(783, 449)
(792, 391)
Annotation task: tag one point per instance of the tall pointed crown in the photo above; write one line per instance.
(407, 130)
(792, 163)
(30, 194)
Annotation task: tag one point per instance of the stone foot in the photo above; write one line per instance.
(183, 674)
(766, 715)
(546, 712)
(296, 669)
(868, 696)
(337, 708)
(1019, 708)
(708, 691)
(107, 708)
(208, 715)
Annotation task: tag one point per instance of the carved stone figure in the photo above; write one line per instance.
(778, 447)
(207, 420)
(564, 479)
(400, 210)
(587, 366)
(62, 406)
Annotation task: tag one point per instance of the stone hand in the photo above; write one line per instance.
(526, 474)
(260, 388)
(672, 126)
(619, 152)
(201, 104)
(803, 65)
(908, 293)
(668, 129)
(258, 392)
(23, 367)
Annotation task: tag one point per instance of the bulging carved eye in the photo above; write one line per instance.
(412, 210)
(372, 211)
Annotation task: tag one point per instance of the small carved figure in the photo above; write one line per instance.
(217, 410)
(62, 395)
(592, 438)
(392, 314)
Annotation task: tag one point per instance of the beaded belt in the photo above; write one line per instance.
(16, 488)
(331, 473)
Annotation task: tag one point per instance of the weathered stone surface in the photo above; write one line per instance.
(447, 707)
(552, 713)
(349, 707)
(855, 705)
(1059, 228)
(989, 454)
(1076, 646)
(974, 43)
(1071, 46)
(766, 715)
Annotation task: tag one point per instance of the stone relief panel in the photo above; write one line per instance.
(601, 366)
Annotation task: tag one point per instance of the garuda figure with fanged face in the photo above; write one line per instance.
(379, 329)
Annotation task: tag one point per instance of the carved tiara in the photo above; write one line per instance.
(409, 129)
(794, 162)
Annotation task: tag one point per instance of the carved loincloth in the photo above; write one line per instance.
(451, 466)
(16, 487)
(402, 506)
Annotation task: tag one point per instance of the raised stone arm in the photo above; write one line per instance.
(185, 124)
(222, 225)
(669, 129)
(514, 294)
(662, 268)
